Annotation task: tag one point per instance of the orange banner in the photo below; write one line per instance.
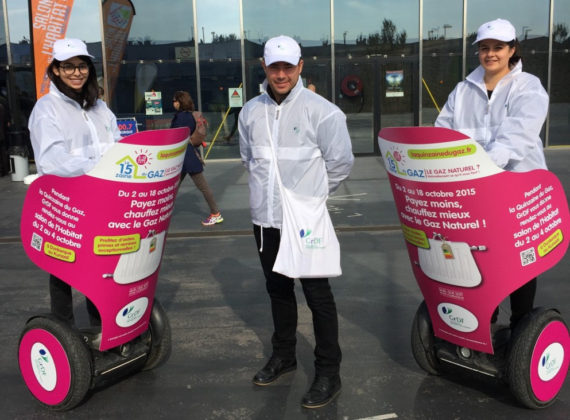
(49, 23)
(117, 19)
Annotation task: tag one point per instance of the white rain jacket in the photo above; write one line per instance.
(507, 125)
(311, 142)
(67, 140)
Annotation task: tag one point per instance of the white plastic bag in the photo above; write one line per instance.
(309, 246)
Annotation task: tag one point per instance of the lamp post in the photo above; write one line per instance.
(525, 31)
(446, 26)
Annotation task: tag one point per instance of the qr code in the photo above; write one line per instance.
(37, 241)
(528, 256)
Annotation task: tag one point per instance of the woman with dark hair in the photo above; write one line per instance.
(503, 109)
(70, 129)
(184, 106)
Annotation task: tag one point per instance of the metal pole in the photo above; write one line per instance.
(104, 54)
(420, 62)
(549, 71)
(197, 56)
(333, 58)
(242, 52)
(464, 52)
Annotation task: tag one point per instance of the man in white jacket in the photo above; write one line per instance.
(314, 154)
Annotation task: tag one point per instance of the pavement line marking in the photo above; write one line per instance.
(381, 417)
(245, 232)
(349, 197)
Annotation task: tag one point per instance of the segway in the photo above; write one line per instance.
(475, 233)
(103, 233)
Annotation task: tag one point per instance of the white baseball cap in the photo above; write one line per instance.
(499, 29)
(64, 49)
(282, 48)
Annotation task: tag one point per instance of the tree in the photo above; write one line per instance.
(388, 34)
(223, 38)
(374, 39)
(402, 38)
(360, 40)
(560, 32)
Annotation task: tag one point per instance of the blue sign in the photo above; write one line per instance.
(127, 126)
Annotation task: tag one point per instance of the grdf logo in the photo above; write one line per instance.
(128, 310)
(44, 355)
(551, 361)
(457, 317)
(304, 233)
(43, 366)
(131, 313)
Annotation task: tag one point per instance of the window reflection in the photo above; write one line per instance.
(530, 19)
(376, 47)
(559, 88)
(220, 71)
(4, 105)
(373, 77)
(158, 57)
(307, 22)
(442, 64)
(18, 81)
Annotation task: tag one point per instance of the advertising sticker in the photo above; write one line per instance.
(474, 232)
(104, 232)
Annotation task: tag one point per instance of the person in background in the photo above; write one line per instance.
(235, 113)
(184, 106)
(503, 108)
(101, 93)
(71, 129)
(314, 151)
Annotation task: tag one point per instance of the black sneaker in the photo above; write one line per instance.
(323, 390)
(274, 368)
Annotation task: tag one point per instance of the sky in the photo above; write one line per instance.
(306, 19)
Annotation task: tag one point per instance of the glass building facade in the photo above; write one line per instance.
(383, 63)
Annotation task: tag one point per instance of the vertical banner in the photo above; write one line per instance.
(49, 23)
(117, 19)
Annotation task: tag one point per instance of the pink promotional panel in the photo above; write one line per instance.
(104, 232)
(474, 232)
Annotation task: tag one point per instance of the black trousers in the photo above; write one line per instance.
(320, 301)
(62, 302)
(522, 301)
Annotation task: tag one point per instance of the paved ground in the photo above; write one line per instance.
(212, 287)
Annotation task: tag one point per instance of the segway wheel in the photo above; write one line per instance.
(55, 363)
(160, 337)
(539, 358)
(423, 341)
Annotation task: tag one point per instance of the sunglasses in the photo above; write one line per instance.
(68, 68)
